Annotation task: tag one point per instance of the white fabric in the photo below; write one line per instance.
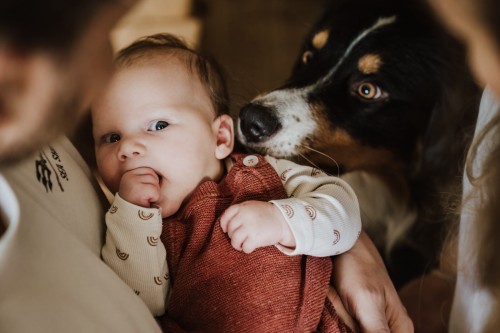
(325, 221)
(326, 218)
(473, 304)
(51, 276)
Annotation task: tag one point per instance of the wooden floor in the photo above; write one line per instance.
(256, 41)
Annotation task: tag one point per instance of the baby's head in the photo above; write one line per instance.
(165, 109)
(162, 46)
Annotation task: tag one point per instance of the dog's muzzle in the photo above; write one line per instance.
(258, 122)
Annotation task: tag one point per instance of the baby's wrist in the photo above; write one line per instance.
(132, 200)
(287, 237)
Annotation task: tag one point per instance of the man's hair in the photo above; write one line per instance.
(205, 68)
(51, 25)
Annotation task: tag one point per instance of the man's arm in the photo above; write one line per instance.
(367, 292)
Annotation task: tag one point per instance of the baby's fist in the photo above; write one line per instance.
(140, 186)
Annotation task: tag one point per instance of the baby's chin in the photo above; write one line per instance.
(168, 209)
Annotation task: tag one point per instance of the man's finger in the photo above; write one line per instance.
(341, 310)
(371, 315)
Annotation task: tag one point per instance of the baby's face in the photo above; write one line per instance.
(158, 116)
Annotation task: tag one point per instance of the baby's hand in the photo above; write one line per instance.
(255, 224)
(140, 187)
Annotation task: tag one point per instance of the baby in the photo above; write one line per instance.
(164, 144)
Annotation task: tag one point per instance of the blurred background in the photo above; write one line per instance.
(255, 41)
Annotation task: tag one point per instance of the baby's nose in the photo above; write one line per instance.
(130, 149)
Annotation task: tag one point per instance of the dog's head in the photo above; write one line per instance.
(364, 90)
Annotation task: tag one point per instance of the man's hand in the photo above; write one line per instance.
(254, 224)
(140, 187)
(367, 292)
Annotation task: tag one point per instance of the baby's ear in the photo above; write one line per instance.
(223, 126)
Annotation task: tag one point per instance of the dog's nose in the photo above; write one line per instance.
(257, 122)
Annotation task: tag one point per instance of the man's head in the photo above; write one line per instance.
(54, 58)
(166, 110)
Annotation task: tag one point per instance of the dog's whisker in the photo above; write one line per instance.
(322, 154)
(310, 162)
(313, 164)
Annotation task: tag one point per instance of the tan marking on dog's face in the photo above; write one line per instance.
(369, 63)
(353, 156)
(346, 150)
(338, 144)
(319, 40)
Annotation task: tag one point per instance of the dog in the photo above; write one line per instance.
(381, 95)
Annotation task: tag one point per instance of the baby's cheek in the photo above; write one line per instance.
(112, 183)
(108, 182)
(168, 207)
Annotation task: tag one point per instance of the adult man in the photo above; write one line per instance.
(55, 56)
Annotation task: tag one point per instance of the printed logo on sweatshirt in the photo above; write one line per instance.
(49, 169)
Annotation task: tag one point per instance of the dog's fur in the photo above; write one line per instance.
(384, 91)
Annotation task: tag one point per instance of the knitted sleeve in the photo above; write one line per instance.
(322, 211)
(134, 251)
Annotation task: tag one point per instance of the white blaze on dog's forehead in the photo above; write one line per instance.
(370, 63)
(381, 22)
(294, 114)
(319, 40)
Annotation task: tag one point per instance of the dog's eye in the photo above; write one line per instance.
(306, 57)
(369, 91)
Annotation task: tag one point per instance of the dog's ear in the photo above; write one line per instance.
(224, 129)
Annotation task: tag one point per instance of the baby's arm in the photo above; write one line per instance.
(321, 215)
(133, 249)
(322, 211)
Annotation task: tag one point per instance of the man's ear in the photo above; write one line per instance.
(14, 74)
(18, 73)
(14, 66)
(224, 128)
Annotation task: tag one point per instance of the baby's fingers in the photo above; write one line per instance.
(238, 238)
(249, 245)
(228, 217)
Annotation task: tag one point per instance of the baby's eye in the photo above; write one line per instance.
(157, 125)
(112, 137)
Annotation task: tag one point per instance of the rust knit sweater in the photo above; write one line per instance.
(218, 289)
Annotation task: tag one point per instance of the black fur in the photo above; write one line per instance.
(421, 123)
